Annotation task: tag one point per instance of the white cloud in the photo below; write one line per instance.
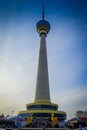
(17, 71)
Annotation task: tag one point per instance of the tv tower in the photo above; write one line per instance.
(42, 85)
(42, 105)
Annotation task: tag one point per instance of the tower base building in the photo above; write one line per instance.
(42, 107)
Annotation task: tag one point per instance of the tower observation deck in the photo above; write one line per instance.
(42, 105)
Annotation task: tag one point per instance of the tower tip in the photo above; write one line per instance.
(43, 12)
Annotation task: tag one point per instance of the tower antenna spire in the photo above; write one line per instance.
(43, 12)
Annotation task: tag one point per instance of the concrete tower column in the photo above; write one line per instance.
(42, 85)
(42, 106)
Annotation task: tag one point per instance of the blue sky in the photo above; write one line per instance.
(66, 48)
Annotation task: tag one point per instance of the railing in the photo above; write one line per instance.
(45, 129)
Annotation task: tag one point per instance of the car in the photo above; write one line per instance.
(83, 128)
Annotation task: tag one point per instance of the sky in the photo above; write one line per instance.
(66, 49)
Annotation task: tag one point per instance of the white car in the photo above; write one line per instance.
(84, 128)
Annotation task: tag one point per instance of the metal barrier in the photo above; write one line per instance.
(43, 129)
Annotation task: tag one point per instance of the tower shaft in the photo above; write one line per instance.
(42, 85)
(42, 106)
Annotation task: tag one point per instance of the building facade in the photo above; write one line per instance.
(82, 115)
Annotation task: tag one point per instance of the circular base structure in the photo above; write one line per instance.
(43, 109)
